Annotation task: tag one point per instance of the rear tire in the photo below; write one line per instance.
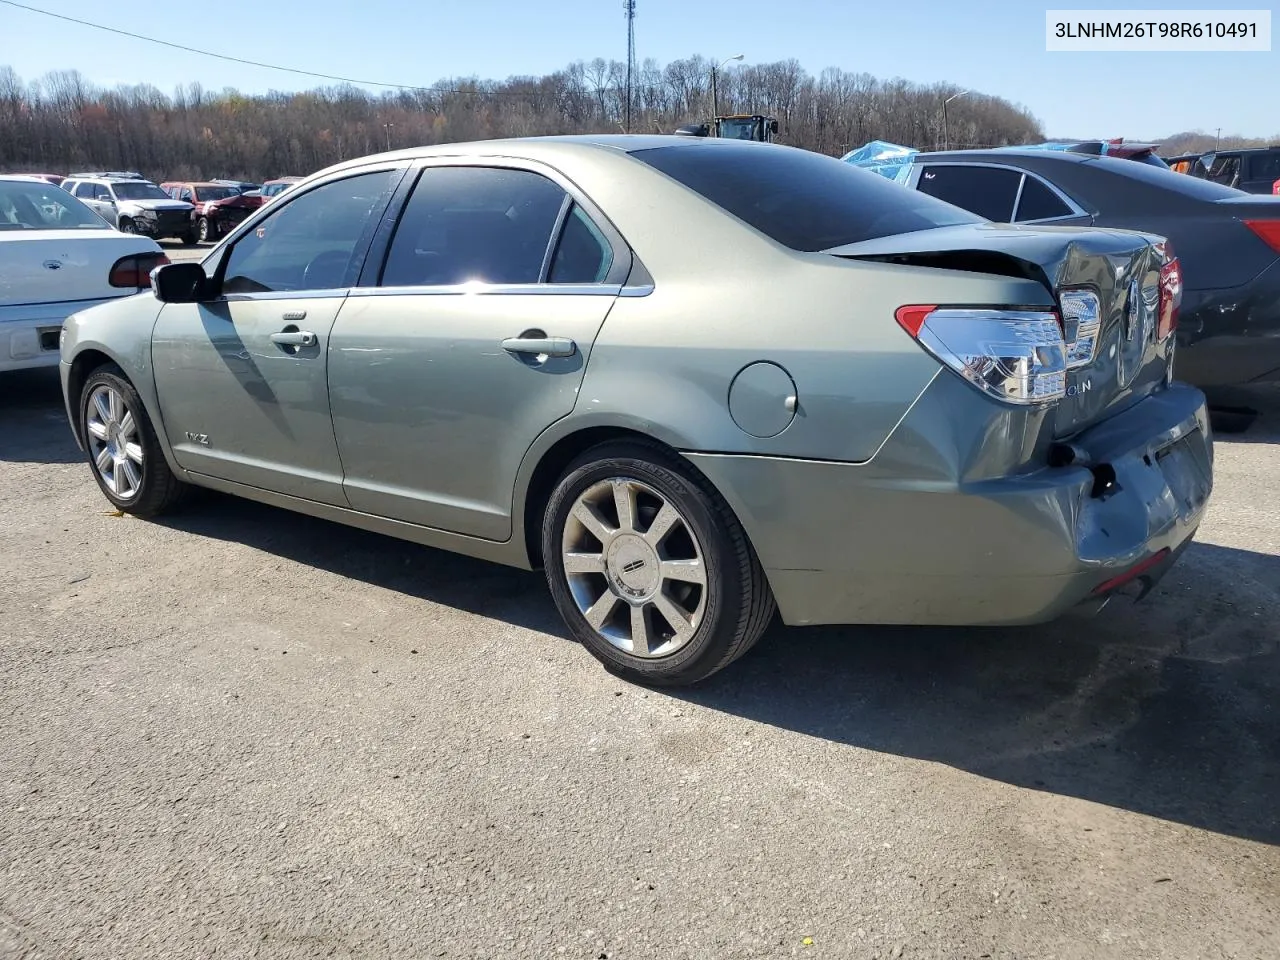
(122, 447)
(649, 567)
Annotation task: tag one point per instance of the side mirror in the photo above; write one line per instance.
(180, 283)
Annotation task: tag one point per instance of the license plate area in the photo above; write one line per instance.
(1184, 465)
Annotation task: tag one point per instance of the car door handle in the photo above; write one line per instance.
(550, 346)
(294, 338)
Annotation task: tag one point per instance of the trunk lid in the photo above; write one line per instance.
(83, 261)
(1121, 267)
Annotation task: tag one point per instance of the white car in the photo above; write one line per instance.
(56, 257)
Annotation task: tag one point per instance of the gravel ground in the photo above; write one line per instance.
(245, 733)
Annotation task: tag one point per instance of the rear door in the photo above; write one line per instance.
(242, 379)
(471, 340)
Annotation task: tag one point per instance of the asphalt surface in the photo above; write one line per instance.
(245, 733)
(177, 251)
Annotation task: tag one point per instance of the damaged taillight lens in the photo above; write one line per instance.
(1170, 290)
(1081, 321)
(1016, 356)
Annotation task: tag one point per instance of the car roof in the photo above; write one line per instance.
(23, 178)
(550, 146)
(1053, 156)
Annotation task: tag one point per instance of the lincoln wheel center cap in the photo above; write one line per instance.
(632, 567)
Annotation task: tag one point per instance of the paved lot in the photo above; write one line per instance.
(245, 733)
(177, 251)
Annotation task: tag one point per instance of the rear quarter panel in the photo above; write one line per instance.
(666, 361)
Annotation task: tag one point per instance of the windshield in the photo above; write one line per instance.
(216, 193)
(42, 206)
(138, 191)
(803, 200)
(738, 129)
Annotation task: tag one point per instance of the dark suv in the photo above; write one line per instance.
(1253, 170)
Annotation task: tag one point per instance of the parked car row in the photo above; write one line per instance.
(1227, 241)
(190, 211)
(57, 256)
(823, 395)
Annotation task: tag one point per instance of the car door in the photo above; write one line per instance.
(101, 205)
(241, 378)
(471, 340)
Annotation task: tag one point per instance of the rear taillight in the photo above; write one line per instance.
(1268, 230)
(1170, 290)
(135, 270)
(1017, 356)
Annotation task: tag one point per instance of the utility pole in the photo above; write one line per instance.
(387, 127)
(946, 134)
(715, 98)
(629, 8)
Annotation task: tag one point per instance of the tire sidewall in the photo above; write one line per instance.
(724, 589)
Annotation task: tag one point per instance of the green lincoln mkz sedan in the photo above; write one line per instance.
(695, 380)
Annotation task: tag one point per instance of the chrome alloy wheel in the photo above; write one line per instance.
(114, 444)
(634, 567)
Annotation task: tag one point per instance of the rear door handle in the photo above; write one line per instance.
(550, 346)
(294, 338)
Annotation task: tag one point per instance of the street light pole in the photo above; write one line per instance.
(715, 99)
(946, 134)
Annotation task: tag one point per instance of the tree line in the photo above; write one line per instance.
(1200, 142)
(62, 122)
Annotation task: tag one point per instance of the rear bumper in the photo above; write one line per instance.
(841, 543)
(29, 334)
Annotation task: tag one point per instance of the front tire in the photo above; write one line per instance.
(206, 231)
(128, 226)
(122, 447)
(649, 567)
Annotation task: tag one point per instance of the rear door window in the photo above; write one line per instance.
(482, 224)
(802, 200)
(987, 191)
(1264, 166)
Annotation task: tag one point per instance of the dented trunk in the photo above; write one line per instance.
(1121, 268)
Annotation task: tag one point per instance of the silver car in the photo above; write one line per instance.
(696, 381)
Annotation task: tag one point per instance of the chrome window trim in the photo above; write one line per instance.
(482, 289)
(1075, 208)
(1017, 197)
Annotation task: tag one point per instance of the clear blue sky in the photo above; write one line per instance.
(996, 46)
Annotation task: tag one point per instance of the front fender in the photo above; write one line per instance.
(119, 331)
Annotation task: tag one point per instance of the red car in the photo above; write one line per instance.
(218, 206)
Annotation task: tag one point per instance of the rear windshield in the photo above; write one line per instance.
(216, 193)
(805, 201)
(1168, 179)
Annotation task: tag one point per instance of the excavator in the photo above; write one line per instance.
(738, 126)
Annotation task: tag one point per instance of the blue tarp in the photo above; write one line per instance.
(890, 160)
